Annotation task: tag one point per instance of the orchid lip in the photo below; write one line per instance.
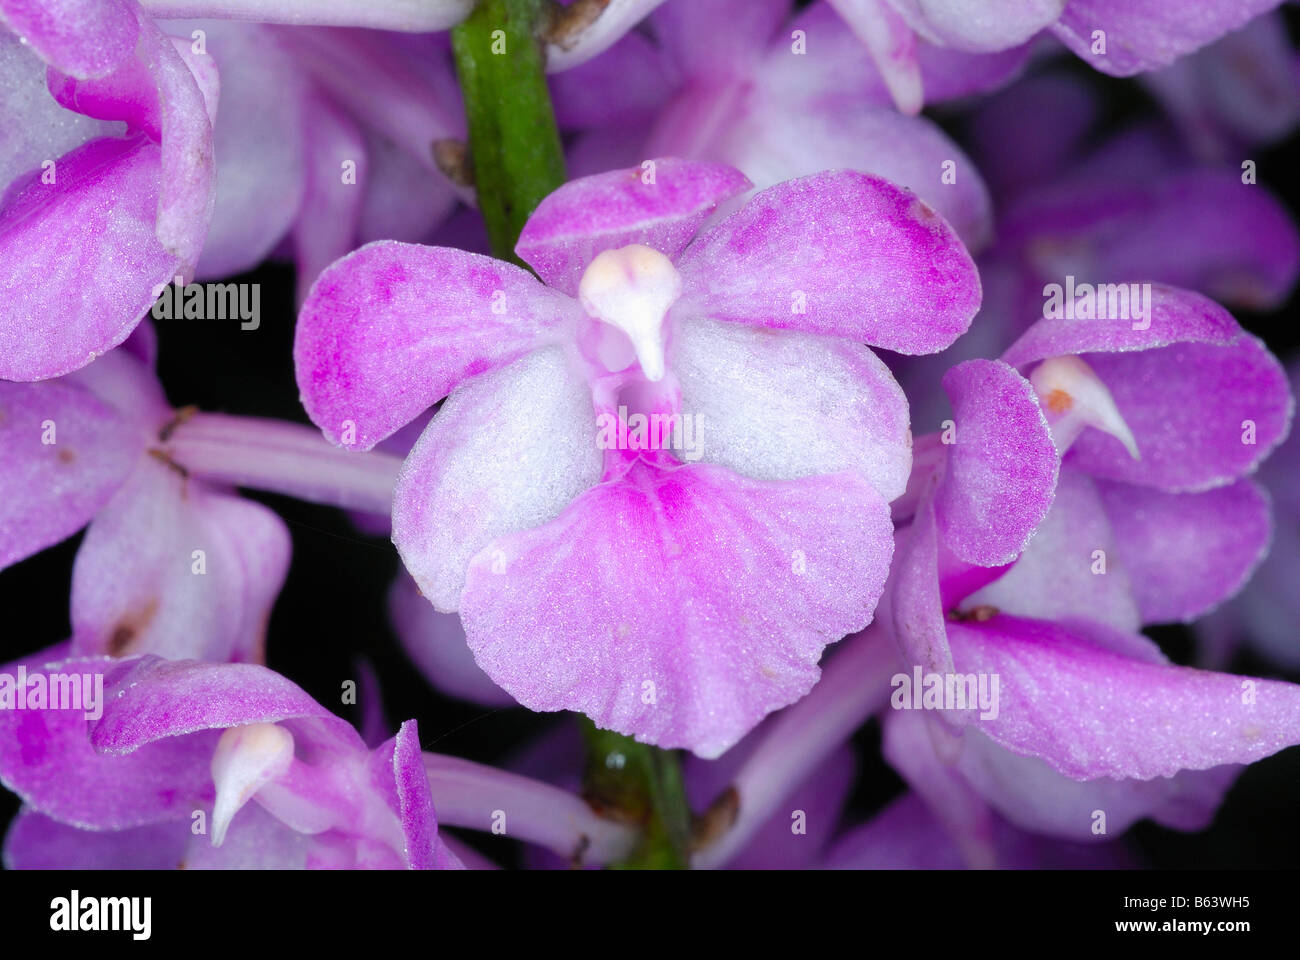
(632, 288)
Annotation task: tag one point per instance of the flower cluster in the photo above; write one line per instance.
(789, 412)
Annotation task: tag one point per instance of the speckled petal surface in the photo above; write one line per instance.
(163, 700)
(1001, 467)
(90, 238)
(660, 207)
(506, 452)
(393, 327)
(1187, 552)
(776, 405)
(1177, 316)
(618, 609)
(52, 489)
(1201, 415)
(168, 92)
(83, 38)
(779, 262)
(1090, 711)
(36, 128)
(424, 850)
(47, 759)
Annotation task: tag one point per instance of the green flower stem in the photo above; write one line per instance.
(643, 784)
(514, 144)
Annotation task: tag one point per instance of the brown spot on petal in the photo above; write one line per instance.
(183, 414)
(129, 628)
(580, 851)
(451, 157)
(562, 25)
(716, 820)
(162, 456)
(66, 456)
(974, 615)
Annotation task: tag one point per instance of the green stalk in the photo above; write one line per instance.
(514, 144)
(642, 784)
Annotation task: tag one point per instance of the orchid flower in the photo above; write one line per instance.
(1150, 523)
(224, 766)
(510, 473)
(172, 562)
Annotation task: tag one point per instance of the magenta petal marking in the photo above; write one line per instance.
(659, 205)
(82, 38)
(393, 327)
(841, 253)
(679, 606)
(424, 851)
(105, 198)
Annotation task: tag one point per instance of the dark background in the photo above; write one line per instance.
(332, 610)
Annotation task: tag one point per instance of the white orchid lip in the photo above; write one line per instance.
(1074, 397)
(631, 288)
(246, 759)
